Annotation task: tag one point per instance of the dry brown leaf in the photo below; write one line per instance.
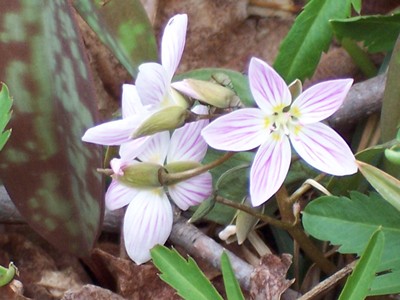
(58, 282)
(136, 282)
(91, 292)
(268, 281)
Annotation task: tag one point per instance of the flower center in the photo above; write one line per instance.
(284, 122)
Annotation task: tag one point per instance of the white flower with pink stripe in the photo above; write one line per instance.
(279, 123)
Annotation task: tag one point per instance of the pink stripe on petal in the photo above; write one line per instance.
(152, 84)
(241, 130)
(324, 149)
(147, 222)
(321, 100)
(269, 169)
(187, 142)
(118, 195)
(111, 133)
(268, 88)
(192, 191)
(156, 148)
(173, 43)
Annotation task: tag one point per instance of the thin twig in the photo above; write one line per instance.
(329, 282)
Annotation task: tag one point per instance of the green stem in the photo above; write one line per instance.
(298, 234)
(254, 213)
(171, 178)
(360, 58)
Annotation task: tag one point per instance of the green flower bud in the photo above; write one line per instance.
(209, 92)
(169, 118)
(140, 175)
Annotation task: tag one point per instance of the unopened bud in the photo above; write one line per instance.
(140, 175)
(208, 92)
(169, 118)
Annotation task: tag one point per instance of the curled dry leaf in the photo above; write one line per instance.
(135, 282)
(268, 281)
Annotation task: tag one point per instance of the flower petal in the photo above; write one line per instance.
(192, 191)
(152, 84)
(118, 195)
(269, 169)
(156, 148)
(147, 222)
(268, 88)
(187, 144)
(131, 149)
(241, 130)
(324, 149)
(173, 42)
(111, 133)
(321, 100)
(131, 104)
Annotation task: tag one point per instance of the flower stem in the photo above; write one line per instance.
(298, 234)
(251, 211)
(171, 178)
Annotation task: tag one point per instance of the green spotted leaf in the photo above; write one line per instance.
(49, 173)
(5, 114)
(123, 27)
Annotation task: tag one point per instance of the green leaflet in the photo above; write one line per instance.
(7, 274)
(48, 172)
(350, 223)
(5, 114)
(184, 276)
(379, 33)
(357, 285)
(311, 34)
(124, 28)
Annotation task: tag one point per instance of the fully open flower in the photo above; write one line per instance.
(277, 121)
(148, 218)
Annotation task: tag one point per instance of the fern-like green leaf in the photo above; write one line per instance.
(183, 275)
(311, 34)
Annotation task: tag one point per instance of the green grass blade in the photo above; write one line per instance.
(183, 275)
(357, 285)
(232, 288)
(386, 185)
